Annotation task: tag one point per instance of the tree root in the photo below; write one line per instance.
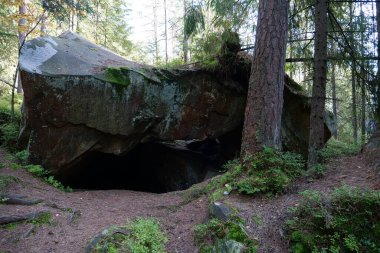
(18, 200)
(6, 219)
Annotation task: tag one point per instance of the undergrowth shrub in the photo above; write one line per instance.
(140, 236)
(39, 171)
(346, 221)
(9, 133)
(267, 172)
(22, 156)
(335, 149)
(9, 129)
(207, 235)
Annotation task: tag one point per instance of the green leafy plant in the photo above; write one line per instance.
(43, 218)
(144, 235)
(267, 172)
(38, 171)
(207, 235)
(9, 133)
(316, 171)
(9, 129)
(335, 148)
(346, 221)
(15, 166)
(22, 156)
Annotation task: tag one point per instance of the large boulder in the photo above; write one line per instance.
(81, 99)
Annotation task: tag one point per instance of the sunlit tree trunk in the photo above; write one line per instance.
(155, 21)
(43, 31)
(186, 53)
(97, 22)
(22, 30)
(316, 139)
(166, 33)
(262, 122)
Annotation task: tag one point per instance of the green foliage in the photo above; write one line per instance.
(15, 166)
(141, 236)
(22, 156)
(43, 218)
(5, 180)
(194, 20)
(316, 171)
(9, 130)
(207, 234)
(230, 14)
(346, 221)
(335, 148)
(9, 133)
(267, 172)
(38, 171)
(210, 49)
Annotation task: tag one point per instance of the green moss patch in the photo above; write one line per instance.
(117, 76)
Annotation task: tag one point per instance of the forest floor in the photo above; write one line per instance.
(79, 216)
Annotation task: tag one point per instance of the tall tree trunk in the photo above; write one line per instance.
(363, 107)
(362, 77)
(353, 83)
(105, 26)
(186, 55)
(22, 30)
(334, 99)
(354, 105)
(316, 139)
(377, 113)
(262, 123)
(155, 21)
(97, 22)
(43, 31)
(166, 34)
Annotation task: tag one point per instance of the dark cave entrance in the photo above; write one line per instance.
(154, 167)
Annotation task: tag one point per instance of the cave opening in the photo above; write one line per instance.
(156, 167)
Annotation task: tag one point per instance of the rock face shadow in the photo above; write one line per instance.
(150, 167)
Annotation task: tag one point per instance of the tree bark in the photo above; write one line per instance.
(377, 114)
(319, 83)
(334, 100)
(353, 82)
(363, 79)
(363, 107)
(354, 104)
(262, 123)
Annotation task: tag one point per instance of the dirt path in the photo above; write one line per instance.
(100, 209)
